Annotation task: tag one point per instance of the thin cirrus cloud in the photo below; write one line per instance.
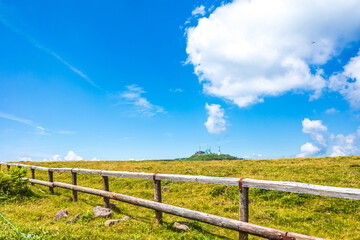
(17, 119)
(248, 50)
(323, 143)
(331, 111)
(35, 43)
(134, 96)
(216, 122)
(176, 90)
(66, 132)
(38, 129)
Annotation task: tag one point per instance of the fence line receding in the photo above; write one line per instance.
(244, 184)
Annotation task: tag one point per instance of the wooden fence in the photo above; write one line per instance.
(244, 184)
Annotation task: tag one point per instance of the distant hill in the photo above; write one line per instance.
(211, 156)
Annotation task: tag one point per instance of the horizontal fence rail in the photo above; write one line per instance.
(253, 229)
(337, 192)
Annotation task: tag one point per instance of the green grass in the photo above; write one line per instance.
(312, 215)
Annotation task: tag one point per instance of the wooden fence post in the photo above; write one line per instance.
(32, 174)
(8, 167)
(157, 198)
(51, 179)
(244, 210)
(243, 207)
(74, 182)
(106, 188)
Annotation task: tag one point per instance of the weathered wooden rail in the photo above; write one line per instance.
(245, 227)
(244, 184)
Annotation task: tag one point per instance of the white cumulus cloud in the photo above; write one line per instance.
(55, 158)
(309, 150)
(215, 123)
(25, 159)
(348, 82)
(344, 145)
(71, 156)
(324, 143)
(316, 130)
(247, 50)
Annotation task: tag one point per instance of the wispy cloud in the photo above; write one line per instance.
(37, 44)
(17, 119)
(38, 129)
(199, 11)
(133, 96)
(65, 132)
(331, 111)
(72, 68)
(176, 90)
(41, 131)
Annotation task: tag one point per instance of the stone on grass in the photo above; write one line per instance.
(30, 235)
(102, 212)
(181, 226)
(61, 214)
(109, 223)
(74, 219)
(190, 171)
(165, 189)
(126, 218)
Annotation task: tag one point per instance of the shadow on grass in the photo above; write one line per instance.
(195, 226)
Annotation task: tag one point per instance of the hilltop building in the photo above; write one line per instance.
(207, 151)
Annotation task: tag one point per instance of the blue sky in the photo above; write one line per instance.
(152, 80)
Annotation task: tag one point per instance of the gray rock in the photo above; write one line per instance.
(74, 219)
(165, 189)
(181, 226)
(190, 171)
(30, 235)
(109, 223)
(61, 214)
(102, 212)
(126, 218)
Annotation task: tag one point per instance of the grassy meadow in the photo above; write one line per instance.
(312, 215)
